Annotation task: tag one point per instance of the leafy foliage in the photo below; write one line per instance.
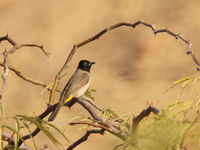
(89, 93)
(175, 127)
(23, 121)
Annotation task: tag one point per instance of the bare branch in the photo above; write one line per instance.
(4, 75)
(22, 76)
(90, 109)
(93, 104)
(136, 120)
(98, 35)
(85, 137)
(17, 46)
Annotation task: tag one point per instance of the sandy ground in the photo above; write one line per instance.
(132, 66)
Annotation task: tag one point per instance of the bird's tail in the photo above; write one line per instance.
(55, 112)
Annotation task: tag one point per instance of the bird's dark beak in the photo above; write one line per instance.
(92, 63)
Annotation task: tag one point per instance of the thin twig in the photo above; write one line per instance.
(28, 79)
(85, 137)
(17, 46)
(4, 75)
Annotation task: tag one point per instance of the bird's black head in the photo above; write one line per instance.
(85, 65)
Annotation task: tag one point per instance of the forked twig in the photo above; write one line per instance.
(17, 46)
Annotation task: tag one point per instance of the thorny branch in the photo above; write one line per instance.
(98, 35)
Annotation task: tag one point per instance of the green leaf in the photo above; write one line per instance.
(37, 122)
(110, 113)
(57, 129)
(89, 93)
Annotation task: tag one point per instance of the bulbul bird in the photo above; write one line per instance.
(76, 86)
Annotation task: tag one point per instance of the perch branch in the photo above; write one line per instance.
(90, 109)
(17, 46)
(98, 35)
(93, 104)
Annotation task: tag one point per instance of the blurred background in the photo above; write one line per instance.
(132, 67)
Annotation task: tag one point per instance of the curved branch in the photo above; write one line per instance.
(91, 39)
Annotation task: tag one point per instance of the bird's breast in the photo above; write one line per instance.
(82, 90)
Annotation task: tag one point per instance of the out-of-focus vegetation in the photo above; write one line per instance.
(175, 127)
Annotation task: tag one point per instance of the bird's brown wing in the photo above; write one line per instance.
(77, 81)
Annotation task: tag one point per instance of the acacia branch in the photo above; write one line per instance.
(17, 46)
(93, 104)
(90, 109)
(98, 35)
